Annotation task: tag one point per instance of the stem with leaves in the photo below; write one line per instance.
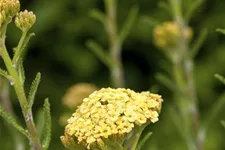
(116, 39)
(114, 43)
(16, 75)
(7, 106)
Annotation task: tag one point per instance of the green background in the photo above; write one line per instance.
(58, 51)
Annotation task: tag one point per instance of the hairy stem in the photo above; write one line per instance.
(188, 65)
(114, 44)
(19, 89)
(6, 104)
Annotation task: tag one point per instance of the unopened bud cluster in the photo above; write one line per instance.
(9, 8)
(110, 113)
(168, 34)
(25, 20)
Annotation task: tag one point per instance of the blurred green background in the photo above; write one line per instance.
(58, 51)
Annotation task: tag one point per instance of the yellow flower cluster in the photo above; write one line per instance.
(110, 112)
(8, 9)
(75, 94)
(25, 20)
(167, 35)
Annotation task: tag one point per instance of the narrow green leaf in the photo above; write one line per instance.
(99, 52)
(216, 109)
(33, 89)
(149, 21)
(20, 49)
(132, 16)
(40, 122)
(221, 30)
(165, 6)
(98, 15)
(176, 7)
(166, 81)
(180, 126)
(143, 140)
(47, 113)
(223, 123)
(199, 42)
(12, 121)
(194, 6)
(4, 73)
(220, 78)
(21, 71)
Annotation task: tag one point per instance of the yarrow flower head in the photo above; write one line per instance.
(25, 20)
(167, 35)
(110, 114)
(8, 9)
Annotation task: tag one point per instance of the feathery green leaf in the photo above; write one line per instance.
(4, 73)
(33, 89)
(12, 121)
(221, 30)
(132, 16)
(166, 81)
(47, 113)
(198, 42)
(221, 78)
(143, 140)
(99, 52)
(195, 5)
(40, 122)
(21, 71)
(217, 107)
(165, 6)
(223, 123)
(20, 49)
(98, 15)
(152, 22)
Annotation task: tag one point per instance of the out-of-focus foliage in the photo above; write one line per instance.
(58, 51)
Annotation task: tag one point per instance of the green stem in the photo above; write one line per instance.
(4, 100)
(187, 71)
(137, 136)
(18, 49)
(114, 44)
(19, 89)
(190, 84)
(132, 142)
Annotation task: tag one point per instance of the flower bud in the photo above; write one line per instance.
(25, 20)
(8, 9)
(168, 34)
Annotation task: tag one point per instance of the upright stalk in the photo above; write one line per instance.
(190, 84)
(6, 104)
(187, 70)
(114, 44)
(19, 88)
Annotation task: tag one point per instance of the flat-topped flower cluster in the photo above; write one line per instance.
(110, 112)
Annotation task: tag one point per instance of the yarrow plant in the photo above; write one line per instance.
(24, 20)
(111, 119)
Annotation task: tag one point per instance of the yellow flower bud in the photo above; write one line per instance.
(25, 20)
(110, 113)
(168, 34)
(8, 9)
